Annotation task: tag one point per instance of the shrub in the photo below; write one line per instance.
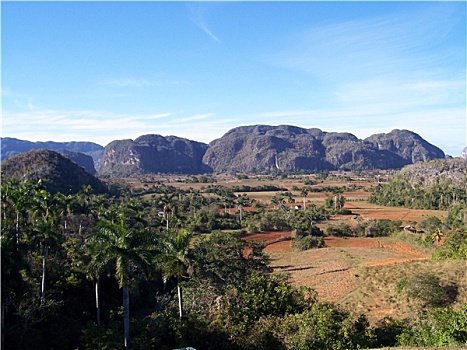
(427, 289)
(387, 331)
(324, 327)
(439, 327)
(455, 247)
(341, 230)
(431, 223)
(381, 228)
(344, 211)
(307, 242)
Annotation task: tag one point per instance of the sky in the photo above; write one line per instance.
(104, 71)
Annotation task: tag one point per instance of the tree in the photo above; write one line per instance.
(167, 202)
(227, 259)
(304, 192)
(437, 235)
(63, 207)
(45, 230)
(277, 199)
(18, 196)
(196, 202)
(175, 260)
(129, 249)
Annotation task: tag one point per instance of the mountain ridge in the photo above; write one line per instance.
(258, 149)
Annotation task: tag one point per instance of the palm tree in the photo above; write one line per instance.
(45, 230)
(63, 206)
(437, 235)
(174, 260)
(19, 196)
(228, 201)
(304, 192)
(167, 201)
(128, 248)
(196, 202)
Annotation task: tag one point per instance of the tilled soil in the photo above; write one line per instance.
(333, 271)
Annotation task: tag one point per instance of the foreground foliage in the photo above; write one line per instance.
(113, 270)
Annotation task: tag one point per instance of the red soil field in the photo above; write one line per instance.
(331, 270)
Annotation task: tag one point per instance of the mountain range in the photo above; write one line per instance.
(244, 149)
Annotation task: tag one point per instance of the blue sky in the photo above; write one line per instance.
(102, 71)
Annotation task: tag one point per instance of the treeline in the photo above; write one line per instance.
(436, 185)
(87, 271)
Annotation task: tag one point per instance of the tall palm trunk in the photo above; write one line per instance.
(17, 229)
(44, 259)
(126, 316)
(98, 308)
(3, 327)
(180, 300)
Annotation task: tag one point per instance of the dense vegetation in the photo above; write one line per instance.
(156, 271)
(438, 184)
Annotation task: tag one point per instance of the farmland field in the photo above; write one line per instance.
(360, 274)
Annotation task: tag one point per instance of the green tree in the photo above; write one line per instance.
(444, 327)
(227, 259)
(437, 235)
(129, 249)
(304, 192)
(168, 206)
(45, 231)
(175, 259)
(277, 200)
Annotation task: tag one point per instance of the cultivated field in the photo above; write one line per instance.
(361, 274)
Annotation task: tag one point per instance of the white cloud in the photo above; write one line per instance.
(103, 127)
(392, 44)
(197, 16)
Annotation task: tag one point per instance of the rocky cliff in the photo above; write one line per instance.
(255, 149)
(464, 153)
(263, 148)
(153, 154)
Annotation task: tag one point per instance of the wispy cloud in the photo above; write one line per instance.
(195, 117)
(103, 127)
(396, 71)
(393, 44)
(197, 16)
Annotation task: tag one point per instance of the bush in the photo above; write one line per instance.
(455, 247)
(341, 230)
(387, 331)
(324, 327)
(381, 228)
(307, 242)
(439, 327)
(427, 289)
(344, 211)
(431, 223)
